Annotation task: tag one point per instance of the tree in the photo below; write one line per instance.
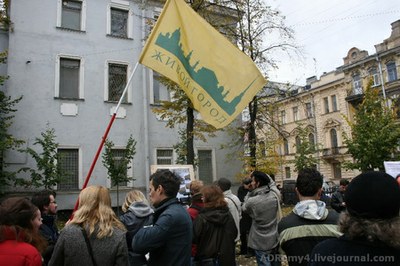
(305, 150)
(48, 172)
(117, 166)
(258, 21)
(374, 133)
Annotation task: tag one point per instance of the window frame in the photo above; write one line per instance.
(326, 105)
(58, 75)
(295, 111)
(391, 69)
(173, 155)
(283, 117)
(106, 80)
(129, 171)
(79, 167)
(309, 110)
(334, 103)
(376, 77)
(213, 161)
(83, 15)
(357, 84)
(121, 5)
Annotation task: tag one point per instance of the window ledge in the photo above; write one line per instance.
(115, 102)
(69, 99)
(119, 37)
(72, 30)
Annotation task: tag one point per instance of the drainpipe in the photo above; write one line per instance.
(145, 111)
(382, 81)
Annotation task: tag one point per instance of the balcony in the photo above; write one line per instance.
(332, 154)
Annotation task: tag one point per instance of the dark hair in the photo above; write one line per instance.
(213, 196)
(16, 215)
(246, 181)
(344, 182)
(261, 177)
(168, 180)
(42, 199)
(17, 211)
(224, 184)
(309, 181)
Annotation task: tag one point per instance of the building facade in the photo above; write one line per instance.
(323, 105)
(70, 60)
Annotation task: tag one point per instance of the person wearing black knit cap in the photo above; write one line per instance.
(370, 224)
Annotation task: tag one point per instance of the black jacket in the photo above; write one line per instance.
(337, 200)
(169, 239)
(49, 231)
(214, 233)
(138, 215)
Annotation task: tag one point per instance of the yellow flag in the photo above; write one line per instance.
(219, 79)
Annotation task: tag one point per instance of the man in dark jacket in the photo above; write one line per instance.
(169, 239)
(46, 202)
(309, 223)
(337, 202)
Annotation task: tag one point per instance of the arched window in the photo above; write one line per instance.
(311, 140)
(298, 143)
(334, 141)
(285, 146)
(375, 76)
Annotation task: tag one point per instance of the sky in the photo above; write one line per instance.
(327, 29)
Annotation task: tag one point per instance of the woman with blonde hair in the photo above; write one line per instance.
(137, 213)
(20, 240)
(94, 236)
(214, 230)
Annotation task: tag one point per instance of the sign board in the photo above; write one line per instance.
(186, 174)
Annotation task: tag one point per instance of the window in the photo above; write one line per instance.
(69, 78)
(337, 170)
(117, 79)
(295, 113)
(71, 14)
(334, 103)
(160, 92)
(69, 165)
(326, 105)
(357, 84)
(165, 156)
(298, 143)
(287, 172)
(285, 147)
(334, 141)
(118, 155)
(309, 110)
(206, 172)
(391, 71)
(119, 22)
(283, 117)
(311, 139)
(376, 79)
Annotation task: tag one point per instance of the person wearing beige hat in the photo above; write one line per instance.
(370, 225)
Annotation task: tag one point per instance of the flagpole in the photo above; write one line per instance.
(103, 139)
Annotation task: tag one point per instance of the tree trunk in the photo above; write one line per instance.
(252, 132)
(189, 136)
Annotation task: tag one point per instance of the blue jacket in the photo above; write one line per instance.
(169, 240)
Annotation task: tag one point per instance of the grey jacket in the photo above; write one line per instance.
(71, 248)
(262, 205)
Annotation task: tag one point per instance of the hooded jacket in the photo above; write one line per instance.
(308, 224)
(169, 238)
(262, 206)
(139, 214)
(214, 232)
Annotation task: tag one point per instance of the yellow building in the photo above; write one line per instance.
(322, 105)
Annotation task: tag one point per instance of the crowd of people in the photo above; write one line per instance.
(362, 227)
